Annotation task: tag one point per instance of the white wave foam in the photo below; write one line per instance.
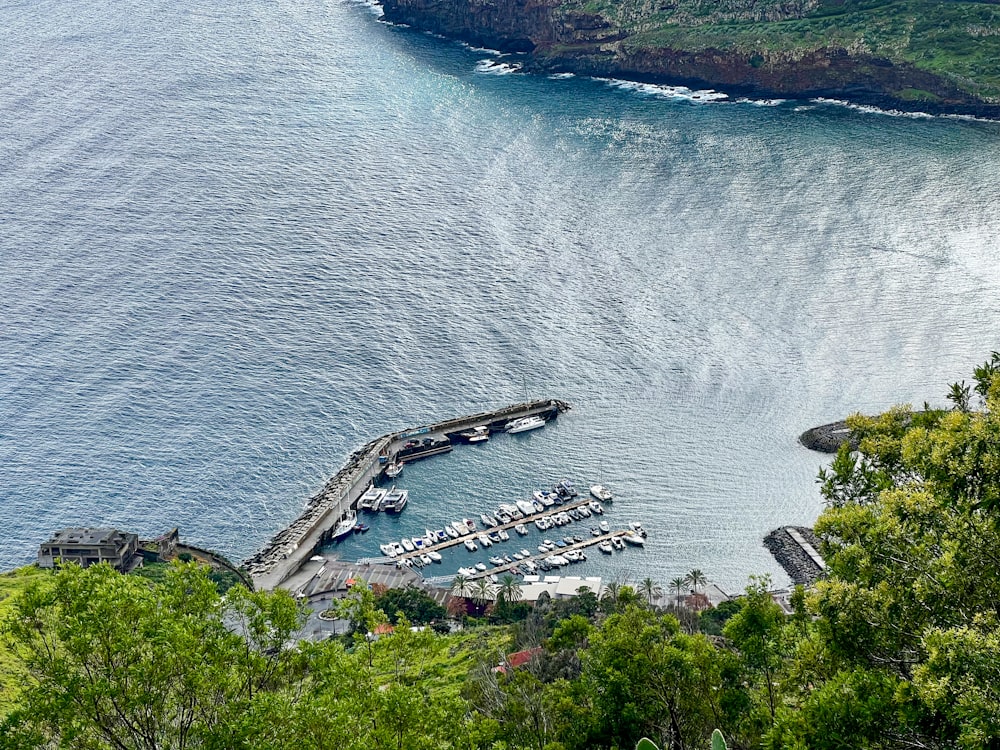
(375, 6)
(868, 109)
(562, 76)
(481, 50)
(497, 68)
(761, 102)
(703, 96)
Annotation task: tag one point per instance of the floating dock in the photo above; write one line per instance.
(286, 552)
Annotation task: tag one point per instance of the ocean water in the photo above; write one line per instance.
(240, 240)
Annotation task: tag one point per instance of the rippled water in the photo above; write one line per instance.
(240, 240)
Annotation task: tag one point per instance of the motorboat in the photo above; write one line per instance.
(524, 424)
(345, 528)
(470, 525)
(584, 511)
(526, 507)
(566, 489)
(508, 559)
(560, 543)
(521, 529)
(594, 531)
(488, 520)
(398, 547)
(484, 540)
(470, 545)
(451, 533)
(478, 434)
(571, 539)
(467, 571)
(493, 537)
(596, 507)
(545, 548)
(537, 505)
(504, 536)
(439, 535)
(394, 469)
(387, 550)
(617, 542)
(481, 567)
(525, 553)
(371, 500)
(604, 526)
(425, 559)
(395, 500)
(600, 492)
(634, 539)
(518, 556)
(637, 528)
(496, 560)
(407, 545)
(542, 524)
(434, 556)
(605, 547)
(530, 566)
(361, 528)
(460, 528)
(504, 517)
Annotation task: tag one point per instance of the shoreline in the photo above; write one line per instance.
(545, 46)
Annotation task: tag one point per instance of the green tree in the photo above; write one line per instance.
(678, 584)
(116, 661)
(650, 590)
(696, 578)
(415, 605)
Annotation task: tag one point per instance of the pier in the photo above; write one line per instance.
(291, 547)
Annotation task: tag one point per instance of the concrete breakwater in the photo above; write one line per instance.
(795, 549)
(287, 550)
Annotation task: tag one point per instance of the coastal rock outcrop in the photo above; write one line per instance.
(559, 36)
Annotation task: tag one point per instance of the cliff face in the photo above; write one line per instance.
(560, 36)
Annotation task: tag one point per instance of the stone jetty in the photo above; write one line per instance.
(796, 550)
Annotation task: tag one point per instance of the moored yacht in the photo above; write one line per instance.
(345, 527)
(600, 492)
(395, 500)
(372, 499)
(524, 424)
(476, 435)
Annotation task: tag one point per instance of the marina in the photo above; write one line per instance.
(291, 548)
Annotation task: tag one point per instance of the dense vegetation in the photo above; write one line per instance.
(899, 647)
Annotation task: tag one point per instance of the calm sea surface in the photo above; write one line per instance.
(238, 240)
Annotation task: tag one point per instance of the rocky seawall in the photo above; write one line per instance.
(557, 39)
(800, 566)
(827, 437)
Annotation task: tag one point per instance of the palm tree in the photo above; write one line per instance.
(509, 589)
(482, 592)
(677, 584)
(460, 585)
(650, 589)
(696, 578)
(610, 593)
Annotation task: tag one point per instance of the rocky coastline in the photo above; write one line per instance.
(553, 39)
(800, 567)
(827, 438)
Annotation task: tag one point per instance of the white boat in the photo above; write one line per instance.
(388, 550)
(345, 527)
(434, 556)
(526, 507)
(481, 567)
(393, 470)
(525, 553)
(617, 542)
(470, 525)
(460, 528)
(595, 507)
(488, 520)
(496, 560)
(604, 526)
(425, 559)
(372, 499)
(637, 528)
(524, 424)
(467, 571)
(451, 532)
(634, 539)
(477, 434)
(530, 566)
(600, 492)
(504, 536)
(470, 545)
(584, 511)
(605, 547)
(395, 500)
(542, 524)
(407, 545)
(398, 547)
(441, 535)
(521, 529)
(484, 540)
(518, 556)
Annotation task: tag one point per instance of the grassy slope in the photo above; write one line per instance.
(958, 40)
(11, 584)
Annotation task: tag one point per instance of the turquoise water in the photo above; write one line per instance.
(240, 240)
